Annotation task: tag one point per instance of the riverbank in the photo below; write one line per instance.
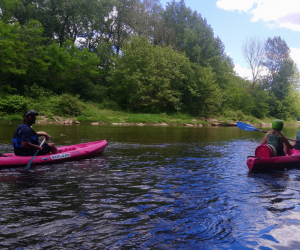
(120, 118)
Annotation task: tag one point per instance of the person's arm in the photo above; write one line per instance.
(26, 135)
(286, 142)
(30, 145)
(42, 133)
(265, 140)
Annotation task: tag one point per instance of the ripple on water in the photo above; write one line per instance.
(166, 196)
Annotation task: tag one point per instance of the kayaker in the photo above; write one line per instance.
(297, 146)
(277, 139)
(26, 141)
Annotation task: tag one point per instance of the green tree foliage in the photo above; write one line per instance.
(60, 69)
(279, 81)
(277, 52)
(282, 88)
(12, 51)
(66, 19)
(135, 55)
(293, 97)
(6, 9)
(69, 105)
(203, 96)
(238, 97)
(259, 100)
(11, 104)
(149, 78)
(195, 37)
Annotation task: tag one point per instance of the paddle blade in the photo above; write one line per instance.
(246, 127)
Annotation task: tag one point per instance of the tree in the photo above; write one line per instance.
(293, 97)
(254, 54)
(12, 52)
(121, 26)
(281, 88)
(65, 19)
(179, 18)
(6, 8)
(195, 37)
(149, 78)
(203, 96)
(279, 80)
(277, 52)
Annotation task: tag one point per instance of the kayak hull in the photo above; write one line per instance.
(67, 153)
(255, 163)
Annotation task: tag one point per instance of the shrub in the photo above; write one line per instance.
(240, 115)
(12, 118)
(36, 91)
(12, 104)
(70, 105)
(108, 104)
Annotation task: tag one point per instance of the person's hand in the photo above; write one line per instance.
(40, 148)
(47, 136)
(42, 133)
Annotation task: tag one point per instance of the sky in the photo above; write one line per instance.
(233, 21)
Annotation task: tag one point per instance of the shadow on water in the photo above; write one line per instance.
(164, 188)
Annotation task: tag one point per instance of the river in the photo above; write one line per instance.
(153, 188)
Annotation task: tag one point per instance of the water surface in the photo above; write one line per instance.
(153, 188)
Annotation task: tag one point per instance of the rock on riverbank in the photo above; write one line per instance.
(200, 122)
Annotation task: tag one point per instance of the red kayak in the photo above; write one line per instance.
(67, 153)
(264, 159)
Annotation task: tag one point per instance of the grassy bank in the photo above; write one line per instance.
(65, 106)
(91, 112)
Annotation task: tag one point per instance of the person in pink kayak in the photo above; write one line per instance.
(277, 139)
(25, 140)
(297, 146)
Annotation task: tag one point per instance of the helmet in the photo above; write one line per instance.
(277, 124)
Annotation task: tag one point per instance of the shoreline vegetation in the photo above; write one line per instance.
(75, 61)
(90, 113)
(200, 122)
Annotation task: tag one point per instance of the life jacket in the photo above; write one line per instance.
(297, 146)
(275, 141)
(16, 140)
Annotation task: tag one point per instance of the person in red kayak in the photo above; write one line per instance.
(297, 146)
(25, 140)
(277, 139)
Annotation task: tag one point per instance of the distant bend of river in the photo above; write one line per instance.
(153, 188)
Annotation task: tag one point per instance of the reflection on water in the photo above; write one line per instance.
(164, 188)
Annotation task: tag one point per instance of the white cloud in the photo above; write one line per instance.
(280, 13)
(232, 5)
(295, 55)
(246, 73)
(243, 72)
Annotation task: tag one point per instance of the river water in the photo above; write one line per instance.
(153, 188)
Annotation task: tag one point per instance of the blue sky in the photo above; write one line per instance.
(235, 20)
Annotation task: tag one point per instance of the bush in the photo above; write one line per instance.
(12, 118)
(108, 104)
(12, 104)
(70, 105)
(240, 115)
(36, 91)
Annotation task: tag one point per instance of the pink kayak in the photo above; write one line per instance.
(67, 153)
(264, 160)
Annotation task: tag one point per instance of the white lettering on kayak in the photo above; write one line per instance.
(60, 156)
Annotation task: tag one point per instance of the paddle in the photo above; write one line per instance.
(31, 160)
(248, 127)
